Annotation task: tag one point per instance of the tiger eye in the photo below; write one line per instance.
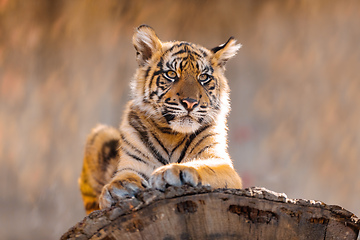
(204, 78)
(171, 74)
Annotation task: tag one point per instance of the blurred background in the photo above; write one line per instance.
(65, 66)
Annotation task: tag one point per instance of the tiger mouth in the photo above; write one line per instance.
(187, 119)
(187, 116)
(184, 124)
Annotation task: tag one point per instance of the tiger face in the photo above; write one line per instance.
(180, 84)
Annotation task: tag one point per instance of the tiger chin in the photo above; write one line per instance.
(173, 131)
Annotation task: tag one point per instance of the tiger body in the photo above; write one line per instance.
(173, 131)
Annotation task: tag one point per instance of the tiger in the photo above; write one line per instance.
(174, 129)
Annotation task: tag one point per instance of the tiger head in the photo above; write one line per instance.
(181, 84)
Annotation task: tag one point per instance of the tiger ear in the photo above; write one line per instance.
(225, 51)
(146, 43)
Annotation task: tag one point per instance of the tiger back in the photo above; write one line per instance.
(173, 131)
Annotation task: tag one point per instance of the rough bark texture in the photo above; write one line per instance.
(202, 213)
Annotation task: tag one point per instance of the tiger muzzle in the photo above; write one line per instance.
(189, 103)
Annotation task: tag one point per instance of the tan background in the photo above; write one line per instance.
(65, 66)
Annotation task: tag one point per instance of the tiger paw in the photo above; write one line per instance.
(174, 175)
(119, 189)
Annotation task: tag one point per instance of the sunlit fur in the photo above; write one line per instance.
(160, 129)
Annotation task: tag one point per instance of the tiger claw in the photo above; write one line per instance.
(118, 190)
(174, 175)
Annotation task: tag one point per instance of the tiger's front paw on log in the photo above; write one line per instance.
(174, 175)
(119, 189)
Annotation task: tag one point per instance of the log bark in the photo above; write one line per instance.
(202, 213)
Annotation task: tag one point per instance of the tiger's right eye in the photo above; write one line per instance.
(171, 75)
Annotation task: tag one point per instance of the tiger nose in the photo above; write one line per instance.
(189, 103)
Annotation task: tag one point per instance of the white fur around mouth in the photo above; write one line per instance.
(185, 124)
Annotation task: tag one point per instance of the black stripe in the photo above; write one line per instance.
(209, 96)
(143, 175)
(152, 94)
(189, 141)
(174, 62)
(196, 54)
(193, 64)
(218, 48)
(161, 95)
(203, 52)
(160, 143)
(173, 108)
(184, 64)
(171, 103)
(158, 81)
(158, 72)
(147, 72)
(163, 129)
(134, 157)
(177, 146)
(179, 52)
(206, 147)
(153, 76)
(201, 140)
(135, 122)
(162, 88)
(160, 63)
(132, 146)
(168, 116)
(176, 45)
(181, 65)
(109, 150)
(210, 168)
(211, 70)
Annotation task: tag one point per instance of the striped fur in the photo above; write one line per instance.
(173, 131)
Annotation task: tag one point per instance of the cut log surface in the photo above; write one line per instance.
(202, 213)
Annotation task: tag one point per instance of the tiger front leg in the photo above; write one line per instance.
(120, 187)
(213, 172)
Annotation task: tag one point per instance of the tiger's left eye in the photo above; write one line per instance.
(171, 75)
(204, 78)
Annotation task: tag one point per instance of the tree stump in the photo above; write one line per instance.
(202, 213)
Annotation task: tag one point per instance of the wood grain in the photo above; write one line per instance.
(202, 213)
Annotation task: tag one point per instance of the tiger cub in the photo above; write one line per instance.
(173, 131)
